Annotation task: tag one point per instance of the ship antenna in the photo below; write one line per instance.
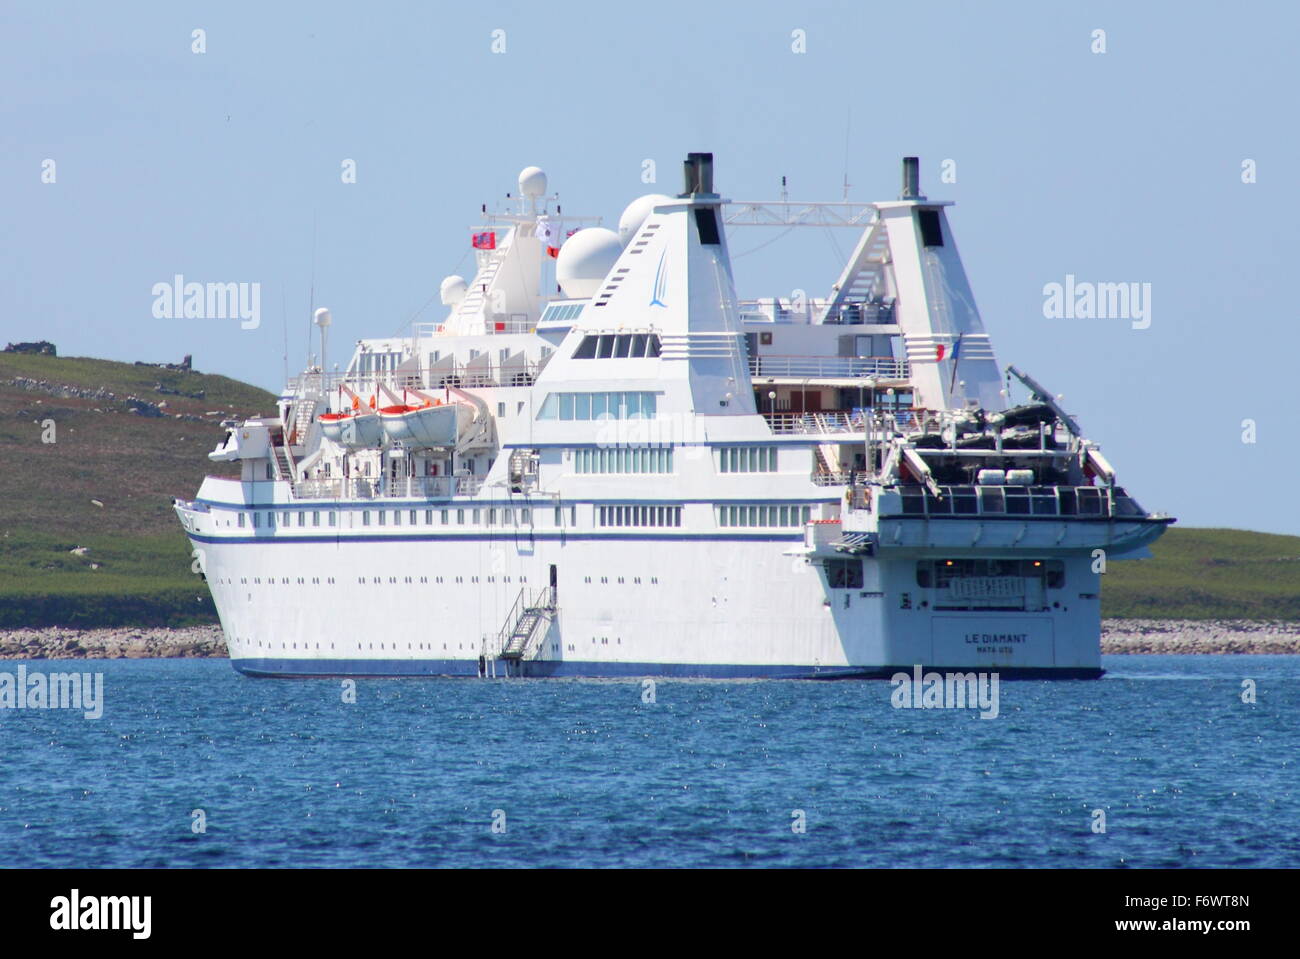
(284, 327)
(311, 296)
(848, 123)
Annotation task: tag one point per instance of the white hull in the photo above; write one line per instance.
(366, 601)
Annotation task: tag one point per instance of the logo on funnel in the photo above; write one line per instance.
(661, 283)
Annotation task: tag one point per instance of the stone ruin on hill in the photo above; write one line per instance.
(41, 348)
(184, 366)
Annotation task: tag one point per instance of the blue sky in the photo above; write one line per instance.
(1124, 166)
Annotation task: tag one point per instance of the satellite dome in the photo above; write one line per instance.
(585, 260)
(635, 214)
(452, 290)
(321, 317)
(532, 181)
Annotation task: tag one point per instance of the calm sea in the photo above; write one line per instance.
(584, 773)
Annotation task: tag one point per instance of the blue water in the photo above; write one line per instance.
(587, 775)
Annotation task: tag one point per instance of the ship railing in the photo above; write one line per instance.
(1007, 500)
(420, 487)
(814, 423)
(829, 367)
(318, 489)
(472, 374)
(771, 310)
(408, 487)
(832, 477)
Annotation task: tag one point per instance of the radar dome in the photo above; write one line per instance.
(452, 290)
(585, 260)
(322, 317)
(532, 181)
(635, 214)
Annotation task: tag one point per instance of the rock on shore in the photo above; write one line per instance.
(1180, 636)
(117, 643)
(1117, 636)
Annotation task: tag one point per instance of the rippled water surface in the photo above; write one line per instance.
(584, 773)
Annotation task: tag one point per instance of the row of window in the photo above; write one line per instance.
(639, 516)
(758, 515)
(489, 516)
(763, 515)
(624, 460)
(603, 346)
(598, 406)
(747, 459)
(990, 576)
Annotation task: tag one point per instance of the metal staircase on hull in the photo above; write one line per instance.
(524, 620)
(283, 463)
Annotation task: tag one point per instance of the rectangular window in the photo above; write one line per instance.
(315, 518)
(331, 517)
(747, 459)
(241, 519)
(460, 517)
(365, 518)
(382, 514)
(443, 516)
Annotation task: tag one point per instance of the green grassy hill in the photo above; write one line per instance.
(105, 484)
(1208, 574)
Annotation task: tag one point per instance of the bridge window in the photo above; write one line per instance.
(617, 346)
(596, 406)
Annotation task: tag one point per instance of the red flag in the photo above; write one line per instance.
(485, 241)
(938, 351)
(553, 251)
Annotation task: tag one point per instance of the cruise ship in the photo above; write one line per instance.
(603, 462)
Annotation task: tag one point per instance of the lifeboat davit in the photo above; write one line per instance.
(433, 424)
(356, 430)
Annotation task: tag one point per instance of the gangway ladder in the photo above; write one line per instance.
(524, 620)
(283, 462)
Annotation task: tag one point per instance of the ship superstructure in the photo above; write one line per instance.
(642, 474)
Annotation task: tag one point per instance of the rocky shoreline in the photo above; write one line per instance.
(1137, 636)
(1214, 636)
(123, 642)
